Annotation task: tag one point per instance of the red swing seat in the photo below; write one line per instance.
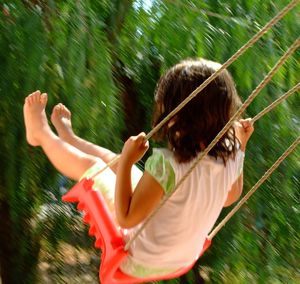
(109, 237)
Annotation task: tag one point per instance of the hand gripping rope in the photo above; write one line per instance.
(109, 236)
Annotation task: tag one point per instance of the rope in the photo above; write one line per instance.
(262, 84)
(275, 103)
(234, 57)
(109, 164)
(255, 187)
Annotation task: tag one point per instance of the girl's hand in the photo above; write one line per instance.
(244, 129)
(134, 148)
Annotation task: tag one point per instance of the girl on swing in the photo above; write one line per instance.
(174, 237)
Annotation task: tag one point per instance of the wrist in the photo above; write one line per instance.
(243, 147)
(125, 162)
(241, 144)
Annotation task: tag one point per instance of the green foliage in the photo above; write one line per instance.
(99, 56)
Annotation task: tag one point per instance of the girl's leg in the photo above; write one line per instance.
(104, 182)
(61, 119)
(69, 160)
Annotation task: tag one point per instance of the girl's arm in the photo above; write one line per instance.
(133, 206)
(235, 192)
(244, 130)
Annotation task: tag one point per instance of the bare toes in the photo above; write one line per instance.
(36, 96)
(66, 112)
(57, 110)
(43, 98)
(61, 109)
(30, 99)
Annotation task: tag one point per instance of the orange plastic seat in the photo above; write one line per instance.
(109, 237)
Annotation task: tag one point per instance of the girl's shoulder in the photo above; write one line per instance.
(161, 165)
(161, 157)
(164, 152)
(164, 155)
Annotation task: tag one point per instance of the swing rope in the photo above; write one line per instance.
(254, 188)
(243, 107)
(275, 103)
(234, 57)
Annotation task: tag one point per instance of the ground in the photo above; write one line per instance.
(69, 265)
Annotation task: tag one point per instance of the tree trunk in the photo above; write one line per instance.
(8, 248)
(19, 249)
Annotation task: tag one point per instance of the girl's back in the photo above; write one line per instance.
(175, 236)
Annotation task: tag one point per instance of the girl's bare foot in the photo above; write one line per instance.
(61, 119)
(35, 117)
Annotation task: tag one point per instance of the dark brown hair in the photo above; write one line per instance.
(196, 125)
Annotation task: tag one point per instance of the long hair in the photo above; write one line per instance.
(196, 125)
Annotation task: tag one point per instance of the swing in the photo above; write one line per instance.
(109, 237)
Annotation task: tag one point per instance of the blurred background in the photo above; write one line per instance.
(102, 59)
